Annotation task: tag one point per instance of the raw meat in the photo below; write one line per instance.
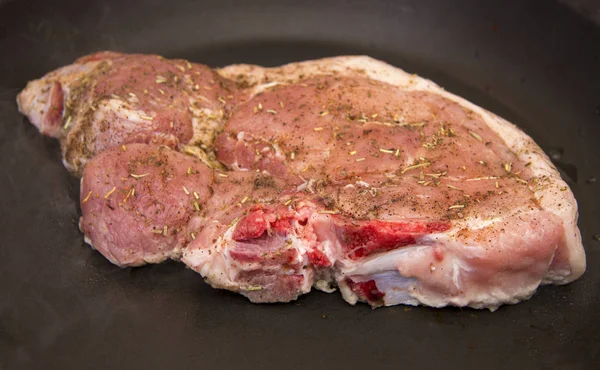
(108, 99)
(235, 227)
(341, 172)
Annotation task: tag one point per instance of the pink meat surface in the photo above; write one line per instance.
(342, 172)
(257, 235)
(134, 206)
(156, 203)
(108, 99)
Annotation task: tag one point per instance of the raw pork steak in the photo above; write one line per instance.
(341, 172)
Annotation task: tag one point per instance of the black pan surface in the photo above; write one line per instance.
(63, 306)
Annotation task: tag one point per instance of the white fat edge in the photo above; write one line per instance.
(576, 257)
(262, 87)
(475, 296)
(347, 294)
(302, 258)
(397, 288)
(176, 253)
(330, 244)
(489, 299)
(221, 249)
(31, 101)
(558, 277)
(308, 280)
(159, 257)
(64, 76)
(34, 98)
(213, 266)
(87, 239)
(329, 247)
(380, 262)
(198, 259)
(218, 272)
(363, 184)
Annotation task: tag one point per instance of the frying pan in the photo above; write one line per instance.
(63, 306)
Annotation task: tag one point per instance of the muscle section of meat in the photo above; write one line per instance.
(235, 229)
(108, 99)
(256, 235)
(544, 186)
(341, 172)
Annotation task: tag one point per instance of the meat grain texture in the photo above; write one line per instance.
(341, 173)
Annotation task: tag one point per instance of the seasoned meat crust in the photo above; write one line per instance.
(107, 99)
(341, 172)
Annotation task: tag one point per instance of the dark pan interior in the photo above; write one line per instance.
(63, 306)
